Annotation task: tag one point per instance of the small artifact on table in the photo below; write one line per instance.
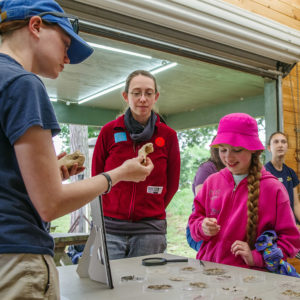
(188, 269)
(145, 150)
(233, 290)
(200, 285)
(70, 159)
(127, 278)
(223, 277)
(291, 293)
(214, 271)
(131, 278)
(177, 278)
(159, 286)
(250, 278)
(252, 298)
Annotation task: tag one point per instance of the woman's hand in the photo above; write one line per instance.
(210, 226)
(242, 248)
(133, 170)
(64, 172)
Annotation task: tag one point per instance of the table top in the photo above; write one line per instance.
(59, 235)
(182, 280)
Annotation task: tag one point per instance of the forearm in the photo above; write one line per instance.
(40, 171)
(75, 195)
(197, 232)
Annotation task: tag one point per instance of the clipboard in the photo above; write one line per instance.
(94, 262)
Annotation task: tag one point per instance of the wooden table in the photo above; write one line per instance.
(295, 262)
(237, 283)
(62, 240)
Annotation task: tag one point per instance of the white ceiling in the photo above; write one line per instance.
(190, 85)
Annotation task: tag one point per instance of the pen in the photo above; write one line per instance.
(201, 263)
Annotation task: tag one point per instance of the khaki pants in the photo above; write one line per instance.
(28, 276)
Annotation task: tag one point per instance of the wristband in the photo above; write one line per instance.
(109, 182)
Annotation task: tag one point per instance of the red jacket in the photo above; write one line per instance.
(147, 199)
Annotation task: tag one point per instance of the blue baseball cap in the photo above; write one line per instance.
(50, 11)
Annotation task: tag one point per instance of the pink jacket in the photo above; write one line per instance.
(218, 199)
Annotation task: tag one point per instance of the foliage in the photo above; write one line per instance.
(192, 151)
(93, 131)
(65, 135)
(176, 237)
(191, 158)
(178, 212)
(181, 204)
(262, 133)
(61, 224)
(196, 136)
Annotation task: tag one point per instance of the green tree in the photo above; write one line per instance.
(191, 158)
(196, 136)
(93, 131)
(65, 137)
(193, 151)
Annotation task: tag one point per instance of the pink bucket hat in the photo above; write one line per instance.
(238, 130)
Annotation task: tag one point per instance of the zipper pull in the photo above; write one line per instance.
(134, 144)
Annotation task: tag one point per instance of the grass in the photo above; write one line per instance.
(178, 213)
(62, 224)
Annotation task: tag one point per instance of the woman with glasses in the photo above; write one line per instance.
(135, 213)
(37, 38)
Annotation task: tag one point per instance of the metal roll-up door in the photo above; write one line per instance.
(212, 31)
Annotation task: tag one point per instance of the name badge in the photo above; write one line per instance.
(120, 137)
(154, 189)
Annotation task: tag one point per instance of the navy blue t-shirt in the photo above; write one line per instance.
(287, 176)
(23, 103)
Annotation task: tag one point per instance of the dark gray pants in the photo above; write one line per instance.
(123, 246)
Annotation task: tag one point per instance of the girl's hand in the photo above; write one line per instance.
(242, 248)
(210, 226)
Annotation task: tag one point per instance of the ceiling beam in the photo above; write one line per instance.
(76, 114)
(92, 116)
(255, 106)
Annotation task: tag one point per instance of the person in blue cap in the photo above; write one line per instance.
(38, 38)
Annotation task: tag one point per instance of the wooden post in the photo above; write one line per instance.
(79, 141)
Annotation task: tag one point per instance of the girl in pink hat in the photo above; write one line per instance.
(241, 202)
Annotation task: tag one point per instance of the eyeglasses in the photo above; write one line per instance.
(138, 95)
(73, 19)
